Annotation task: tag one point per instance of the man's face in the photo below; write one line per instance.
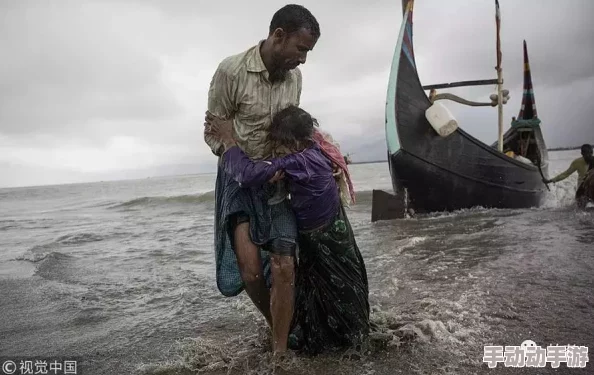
(587, 154)
(291, 49)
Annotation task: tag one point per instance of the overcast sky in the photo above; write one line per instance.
(94, 88)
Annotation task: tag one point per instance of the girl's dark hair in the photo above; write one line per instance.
(291, 127)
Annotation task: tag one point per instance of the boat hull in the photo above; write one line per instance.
(432, 188)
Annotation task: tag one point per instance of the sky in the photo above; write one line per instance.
(98, 90)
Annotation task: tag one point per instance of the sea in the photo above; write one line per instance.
(118, 277)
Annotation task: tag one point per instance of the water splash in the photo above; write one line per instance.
(562, 193)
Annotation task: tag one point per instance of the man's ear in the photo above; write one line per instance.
(278, 35)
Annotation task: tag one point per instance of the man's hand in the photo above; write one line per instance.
(219, 128)
(279, 175)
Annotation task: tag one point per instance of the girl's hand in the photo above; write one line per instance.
(279, 175)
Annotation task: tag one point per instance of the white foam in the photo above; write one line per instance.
(245, 353)
(450, 214)
(390, 255)
(562, 193)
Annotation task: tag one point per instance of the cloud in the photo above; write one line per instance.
(67, 71)
(101, 87)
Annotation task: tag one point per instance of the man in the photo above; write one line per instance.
(585, 191)
(580, 165)
(249, 89)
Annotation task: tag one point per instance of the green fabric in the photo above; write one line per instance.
(331, 306)
(578, 165)
(523, 123)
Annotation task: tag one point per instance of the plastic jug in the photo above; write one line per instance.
(441, 119)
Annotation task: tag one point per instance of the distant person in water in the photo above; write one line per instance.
(580, 165)
(585, 192)
(331, 306)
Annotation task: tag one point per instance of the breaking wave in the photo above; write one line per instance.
(560, 196)
(166, 201)
(38, 257)
(363, 197)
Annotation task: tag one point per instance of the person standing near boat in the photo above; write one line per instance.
(247, 89)
(585, 192)
(581, 165)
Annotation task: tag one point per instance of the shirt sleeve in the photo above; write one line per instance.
(221, 103)
(249, 172)
(572, 168)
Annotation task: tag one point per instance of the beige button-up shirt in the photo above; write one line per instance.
(240, 89)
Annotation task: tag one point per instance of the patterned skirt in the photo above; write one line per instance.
(332, 306)
(267, 224)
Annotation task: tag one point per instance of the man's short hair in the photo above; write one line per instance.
(293, 17)
(586, 149)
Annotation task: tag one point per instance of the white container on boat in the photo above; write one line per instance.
(441, 119)
(523, 159)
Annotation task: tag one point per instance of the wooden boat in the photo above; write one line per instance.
(347, 159)
(443, 173)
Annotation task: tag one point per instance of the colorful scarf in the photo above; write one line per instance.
(332, 152)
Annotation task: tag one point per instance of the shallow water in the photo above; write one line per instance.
(121, 276)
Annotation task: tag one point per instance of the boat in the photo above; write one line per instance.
(432, 172)
(347, 159)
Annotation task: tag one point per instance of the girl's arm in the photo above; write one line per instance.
(249, 172)
(237, 164)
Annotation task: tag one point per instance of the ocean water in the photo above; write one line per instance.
(120, 276)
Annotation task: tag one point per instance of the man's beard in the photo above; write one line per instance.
(278, 74)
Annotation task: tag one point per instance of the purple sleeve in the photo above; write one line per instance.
(248, 172)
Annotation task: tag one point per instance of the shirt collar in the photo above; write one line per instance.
(254, 62)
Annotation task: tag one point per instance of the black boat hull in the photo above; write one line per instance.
(431, 188)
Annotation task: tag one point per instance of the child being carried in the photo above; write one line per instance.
(332, 307)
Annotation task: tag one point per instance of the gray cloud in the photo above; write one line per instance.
(67, 72)
(90, 86)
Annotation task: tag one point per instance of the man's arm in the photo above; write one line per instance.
(221, 103)
(248, 172)
(572, 168)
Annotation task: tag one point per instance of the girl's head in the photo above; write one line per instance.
(292, 128)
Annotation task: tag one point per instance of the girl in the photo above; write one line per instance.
(331, 306)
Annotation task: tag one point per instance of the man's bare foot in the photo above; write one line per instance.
(283, 359)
